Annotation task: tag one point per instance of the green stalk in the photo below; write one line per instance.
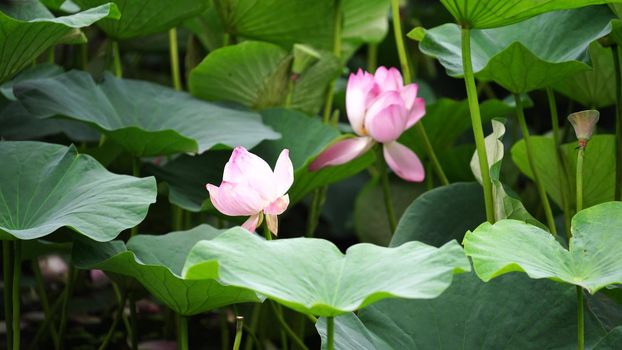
(278, 311)
(401, 51)
(266, 232)
(580, 326)
(116, 59)
(17, 272)
(372, 57)
(71, 280)
(386, 190)
(616, 63)
(253, 327)
(174, 52)
(182, 332)
(133, 321)
(224, 331)
(476, 123)
(43, 298)
(330, 330)
(561, 168)
(239, 328)
(115, 321)
(580, 156)
(46, 323)
(84, 56)
(532, 164)
(8, 289)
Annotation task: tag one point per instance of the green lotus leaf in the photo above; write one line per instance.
(497, 13)
(510, 312)
(312, 276)
(46, 187)
(464, 201)
(612, 341)
(141, 18)
(157, 262)
(594, 88)
(186, 176)
(256, 74)
(525, 56)
(287, 22)
(598, 168)
(145, 118)
(27, 29)
(592, 261)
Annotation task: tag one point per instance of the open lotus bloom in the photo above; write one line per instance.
(584, 124)
(380, 108)
(250, 188)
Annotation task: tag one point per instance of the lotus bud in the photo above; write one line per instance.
(584, 123)
(304, 57)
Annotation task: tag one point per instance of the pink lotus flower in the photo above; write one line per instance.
(250, 188)
(380, 108)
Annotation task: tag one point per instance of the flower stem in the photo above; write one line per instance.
(476, 123)
(386, 190)
(580, 156)
(278, 311)
(239, 328)
(372, 57)
(580, 326)
(71, 280)
(616, 62)
(520, 114)
(116, 59)
(401, 51)
(182, 332)
(7, 289)
(46, 323)
(43, 298)
(266, 232)
(561, 168)
(253, 326)
(330, 330)
(174, 52)
(17, 272)
(115, 321)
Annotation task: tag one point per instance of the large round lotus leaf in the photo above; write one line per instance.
(312, 276)
(287, 22)
(145, 118)
(187, 175)
(256, 74)
(498, 13)
(612, 341)
(426, 219)
(44, 187)
(525, 56)
(594, 88)
(157, 262)
(598, 169)
(27, 29)
(140, 18)
(592, 261)
(512, 312)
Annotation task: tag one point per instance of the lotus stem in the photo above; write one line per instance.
(386, 190)
(580, 324)
(182, 332)
(401, 51)
(224, 331)
(476, 123)
(278, 312)
(71, 280)
(43, 298)
(548, 212)
(561, 168)
(7, 289)
(46, 323)
(116, 59)
(133, 322)
(330, 330)
(253, 326)
(17, 272)
(239, 329)
(618, 179)
(115, 321)
(84, 56)
(174, 52)
(580, 156)
(372, 57)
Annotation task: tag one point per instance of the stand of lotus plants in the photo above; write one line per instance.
(266, 87)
